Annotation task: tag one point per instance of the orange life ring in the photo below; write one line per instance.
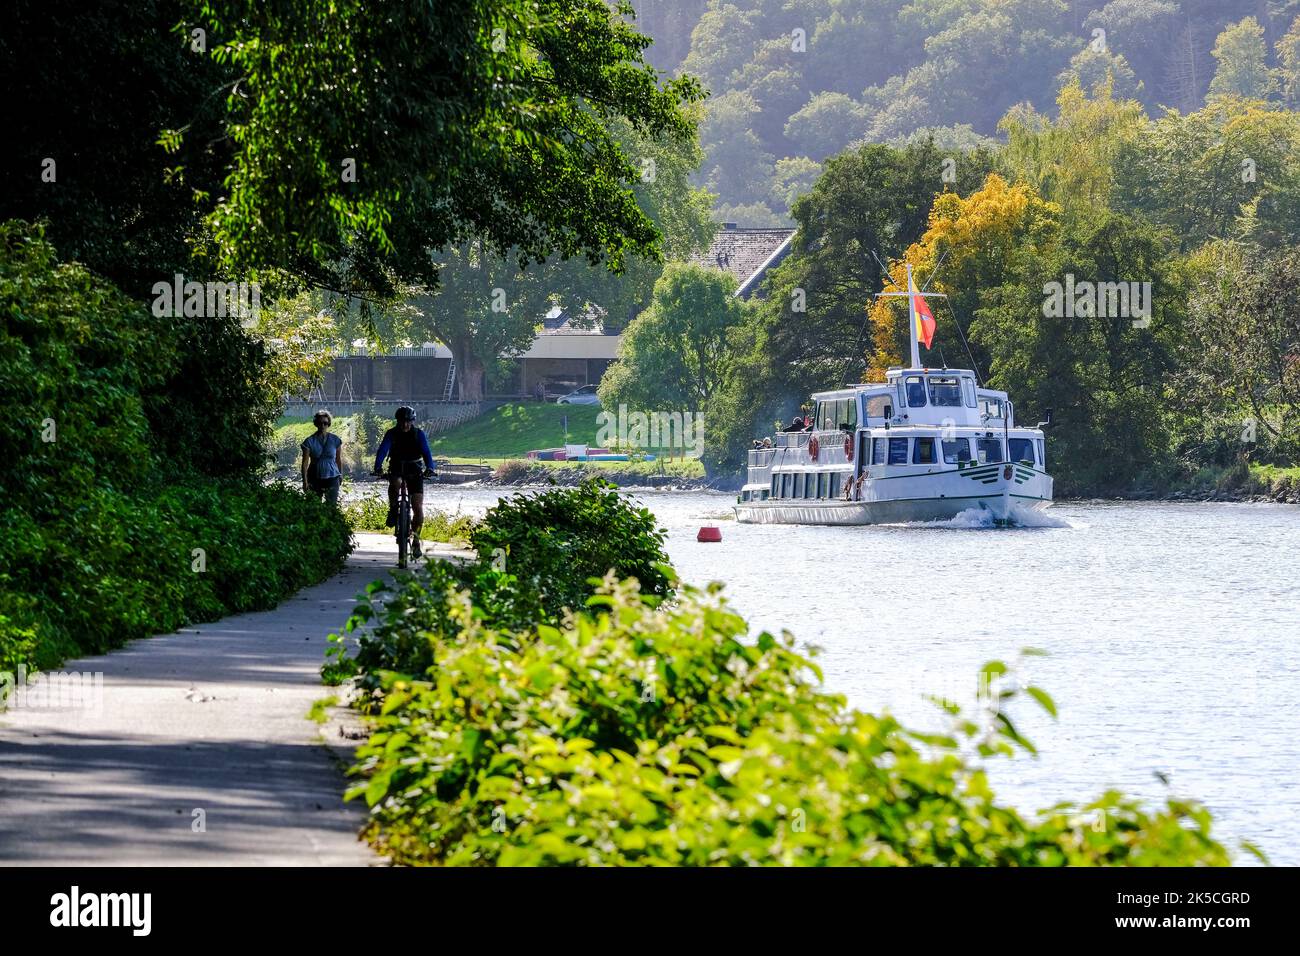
(813, 448)
(848, 447)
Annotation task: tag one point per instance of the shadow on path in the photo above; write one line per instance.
(210, 719)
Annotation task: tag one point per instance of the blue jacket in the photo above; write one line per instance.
(405, 446)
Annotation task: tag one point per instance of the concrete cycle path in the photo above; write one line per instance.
(202, 752)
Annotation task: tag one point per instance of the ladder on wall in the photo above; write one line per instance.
(451, 381)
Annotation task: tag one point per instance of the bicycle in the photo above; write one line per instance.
(402, 527)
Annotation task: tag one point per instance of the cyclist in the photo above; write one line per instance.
(408, 446)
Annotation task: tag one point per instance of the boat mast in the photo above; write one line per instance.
(911, 293)
(911, 318)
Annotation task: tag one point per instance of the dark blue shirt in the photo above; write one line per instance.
(405, 447)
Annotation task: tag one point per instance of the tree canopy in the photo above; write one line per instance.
(806, 79)
(363, 143)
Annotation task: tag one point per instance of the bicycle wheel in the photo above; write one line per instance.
(403, 532)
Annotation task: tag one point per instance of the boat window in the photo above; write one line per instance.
(1022, 449)
(1042, 454)
(877, 404)
(988, 449)
(923, 452)
(776, 482)
(944, 391)
(878, 451)
(915, 392)
(991, 407)
(968, 388)
(810, 485)
(835, 485)
(898, 451)
(956, 450)
(826, 416)
(850, 413)
(787, 486)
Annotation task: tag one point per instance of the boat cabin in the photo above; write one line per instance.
(917, 421)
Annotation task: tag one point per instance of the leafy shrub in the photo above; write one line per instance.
(76, 356)
(512, 469)
(99, 538)
(117, 567)
(368, 514)
(558, 540)
(658, 733)
(285, 448)
(397, 626)
(217, 399)
(370, 427)
(538, 572)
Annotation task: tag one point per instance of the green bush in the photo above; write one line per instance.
(512, 469)
(558, 540)
(76, 356)
(105, 494)
(369, 514)
(115, 567)
(398, 626)
(657, 733)
(553, 549)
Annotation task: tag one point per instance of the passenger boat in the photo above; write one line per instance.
(927, 444)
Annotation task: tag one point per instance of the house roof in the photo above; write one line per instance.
(746, 253)
(560, 321)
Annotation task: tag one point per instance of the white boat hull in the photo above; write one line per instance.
(935, 496)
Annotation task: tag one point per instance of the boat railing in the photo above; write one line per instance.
(791, 439)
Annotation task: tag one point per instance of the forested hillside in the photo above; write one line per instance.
(997, 151)
(793, 82)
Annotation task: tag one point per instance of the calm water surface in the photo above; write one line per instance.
(1172, 633)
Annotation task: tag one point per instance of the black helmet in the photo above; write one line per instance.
(405, 414)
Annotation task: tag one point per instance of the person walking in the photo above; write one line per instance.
(322, 460)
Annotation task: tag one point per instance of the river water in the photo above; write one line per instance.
(1172, 634)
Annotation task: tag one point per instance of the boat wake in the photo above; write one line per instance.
(979, 519)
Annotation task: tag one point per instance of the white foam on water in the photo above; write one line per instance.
(981, 519)
(1030, 518)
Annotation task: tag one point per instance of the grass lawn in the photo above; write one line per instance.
(1272, 473)
(678, 467)
(505, 433)
(512, 430)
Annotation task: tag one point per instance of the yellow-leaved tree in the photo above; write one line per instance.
(1072, 160)
(978, 237)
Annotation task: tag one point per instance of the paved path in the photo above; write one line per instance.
(212, 718)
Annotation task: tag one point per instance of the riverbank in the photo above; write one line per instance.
(1260, 484)
(568, 475)
(1263, 486)
(1238, 483)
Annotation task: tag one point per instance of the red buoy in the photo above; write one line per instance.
(709, 533)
